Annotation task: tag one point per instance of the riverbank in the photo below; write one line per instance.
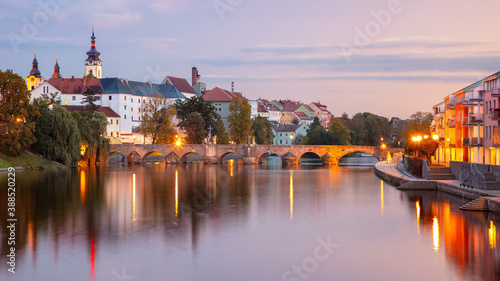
(26, 161)
(390, 173)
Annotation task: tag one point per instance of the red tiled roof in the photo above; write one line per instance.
(320, 106)
(182, 85)
(291, 107)
(76, 85)
(103, 109)
(218, 94)
(261, 108)
(301, 115)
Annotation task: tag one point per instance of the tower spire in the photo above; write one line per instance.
(57, 73)
(34, 70)
(93, 65)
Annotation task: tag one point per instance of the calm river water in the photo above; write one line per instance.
(236, 222)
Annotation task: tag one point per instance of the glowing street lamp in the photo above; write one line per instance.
(436, 138)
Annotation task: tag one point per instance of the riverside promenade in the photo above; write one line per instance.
(483, 200)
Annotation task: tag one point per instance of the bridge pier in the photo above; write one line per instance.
(250, 160)
(210, 160)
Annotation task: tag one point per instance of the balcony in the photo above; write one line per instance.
(473, 98)
(451, 123)
(496, 136)
(450, 106)
(495, 93)
(495, 114)
(473, 119)
(472, 142)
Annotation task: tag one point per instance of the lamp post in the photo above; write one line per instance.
(291, 139)
(436, 138)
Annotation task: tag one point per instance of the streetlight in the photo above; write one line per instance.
(436, 138)
(291, 139)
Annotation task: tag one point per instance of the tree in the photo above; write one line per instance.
(89, 100)
(240, 121)
(295, 121)
(93, 133)
(157, 121)
(358, 129)
(368, 129)
(263, 131)
(43, 129)
(316, 134)
(339, 134)
(196, 130)
(220, 131)
(17, 115)
(204, 108)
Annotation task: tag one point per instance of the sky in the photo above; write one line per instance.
(388, 57)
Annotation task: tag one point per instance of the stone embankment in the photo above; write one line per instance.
(403, 181)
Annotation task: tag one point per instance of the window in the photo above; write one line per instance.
(125, 107)
(281, 134)
(116, 121)
(139, 118)
(220, 109)
(139, 100)
(125, 116)
(65, 102)
(110, 97)
(281, 141)
(286, 135)
(73, 98)
(131, 99)
(111, 134)
(117, 134)
(125, 97)
(131, 109)
(139, 109)
(111, 121)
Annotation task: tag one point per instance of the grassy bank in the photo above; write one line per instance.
(27, 160)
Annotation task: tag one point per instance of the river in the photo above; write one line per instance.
(235, 222)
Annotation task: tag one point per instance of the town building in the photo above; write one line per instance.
(221, 99)
(321, 111)
(285, 134)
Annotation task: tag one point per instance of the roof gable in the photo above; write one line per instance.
(76, 85)
(220, 95)
(180, 83)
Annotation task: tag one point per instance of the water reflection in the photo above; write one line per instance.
(193, 221)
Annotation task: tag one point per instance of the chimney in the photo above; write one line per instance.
(232, 87)
(195, 77)
(72, 79)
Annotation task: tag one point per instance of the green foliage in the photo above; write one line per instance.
(368, 129)
(205, 109)
(419, 124)
(338, 133)
(263, 131)
(157, 120)
(17, 115)
(240, 121)
(220, 131)
(57, 134)
(317, 135)
(93, 133)
(89, 100)
(195, 132)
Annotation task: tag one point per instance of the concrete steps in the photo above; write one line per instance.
(480, 204)
(441, 173)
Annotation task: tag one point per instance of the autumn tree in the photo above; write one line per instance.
(263, 131)
(157, 120)
(17, 115)
(240, 121)
(220, 131)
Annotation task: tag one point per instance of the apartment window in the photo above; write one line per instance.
(111, 121)
(110, 97)
(139, 109)
(139, 100)
(125, 106)
(125, 97)
(131, 109)
(73, 98)
(116, 121)
(131, 99)
(281, 141)
(220, 109)
(281, 134)
(125, 116)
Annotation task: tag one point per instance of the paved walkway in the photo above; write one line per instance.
(392, 170)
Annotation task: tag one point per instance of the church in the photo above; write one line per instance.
(120, 99)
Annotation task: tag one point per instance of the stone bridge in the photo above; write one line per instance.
(251, 154)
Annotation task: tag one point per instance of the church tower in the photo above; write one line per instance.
(93, 64)
(35, 78)
(57, 72)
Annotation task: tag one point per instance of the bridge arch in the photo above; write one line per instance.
(228, 153)
(117, 157)
(172, 158)
(309, 153)
(184, 159)
(134, 158)
(267, 154)
(369, 150)
(160, 158)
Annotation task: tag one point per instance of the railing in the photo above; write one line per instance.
(473, 119)
(450, 106)
(473, 98)
(472, 141)
(495, 93)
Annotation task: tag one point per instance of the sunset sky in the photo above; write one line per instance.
(387, 57)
